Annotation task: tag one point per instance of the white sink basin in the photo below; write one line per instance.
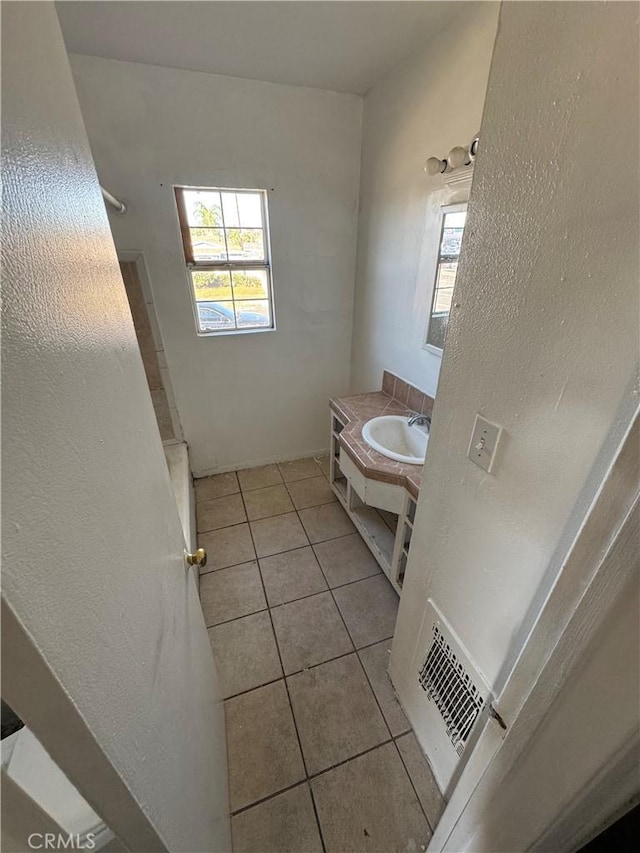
(392, 436)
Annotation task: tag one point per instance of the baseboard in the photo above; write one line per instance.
(241, 466)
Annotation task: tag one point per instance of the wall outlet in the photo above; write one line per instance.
(484, 443)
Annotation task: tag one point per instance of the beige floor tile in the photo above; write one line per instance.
(262, 503)
(423, 780)
(231, 593)
(369, 608)
(368, 806)
(227, 547)
(284, 824)
(263, 751)
(309, 631)
(312, 492)
(245, 652)
(323, 463)
(216, 486)
(220, 512)
(345, 559)
(291, 575)
(259, 478)
(375, 660)
(298, 469)
(336, 713)
(280, 533)
(326, 522)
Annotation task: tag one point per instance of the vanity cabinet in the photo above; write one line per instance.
(383, 513)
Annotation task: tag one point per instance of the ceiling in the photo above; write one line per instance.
(340, 46)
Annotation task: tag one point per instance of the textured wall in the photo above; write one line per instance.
(243, 399)
(430, 103)
(545, 341)
(105, 652)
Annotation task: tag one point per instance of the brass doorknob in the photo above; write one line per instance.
(199, 558)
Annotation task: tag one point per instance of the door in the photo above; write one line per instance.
(105, 653)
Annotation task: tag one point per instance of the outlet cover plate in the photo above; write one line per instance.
(484, 443)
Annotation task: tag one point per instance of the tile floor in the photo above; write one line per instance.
(300, 617)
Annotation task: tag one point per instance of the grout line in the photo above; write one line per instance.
(315, 811)
(257, 488)
(322, 663)
(215, 497)
(369, 749)
(415, 790)
(293, 716)
(342, 535)
(315, 506)
(273, 515)
(305, 669)
(373, 693)
(226, 527)
(237, 618)
(257, 687)
(320, 591)
(232, 566)
(315, 477)
(272, 796)
(295, 600)
(300, 479)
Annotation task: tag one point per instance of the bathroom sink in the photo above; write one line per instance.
(392, 436)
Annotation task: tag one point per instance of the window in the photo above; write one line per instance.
(453, 220)
(226, 248)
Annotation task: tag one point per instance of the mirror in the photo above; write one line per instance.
(453, 220)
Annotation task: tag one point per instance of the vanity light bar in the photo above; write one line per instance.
(456, 159)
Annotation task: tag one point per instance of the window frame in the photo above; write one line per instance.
(193, 265)
(457, 207)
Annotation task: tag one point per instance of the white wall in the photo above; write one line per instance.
(430, 103)
(545, 341)
(253, 398)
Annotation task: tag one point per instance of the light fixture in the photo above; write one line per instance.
(435, 166)
(457, 158)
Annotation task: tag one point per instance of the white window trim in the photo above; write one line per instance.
(268, 264)
(457, 207)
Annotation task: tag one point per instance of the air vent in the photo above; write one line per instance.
(449, 685)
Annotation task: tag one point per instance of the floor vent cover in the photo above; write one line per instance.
(448, 684)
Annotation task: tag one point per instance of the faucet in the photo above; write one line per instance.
(420, 419)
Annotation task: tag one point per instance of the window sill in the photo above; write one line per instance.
(234, 332)
(433, 350)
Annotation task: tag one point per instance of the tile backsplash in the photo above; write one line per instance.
(410, 396)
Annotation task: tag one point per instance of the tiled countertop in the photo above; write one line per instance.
(354, 412)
